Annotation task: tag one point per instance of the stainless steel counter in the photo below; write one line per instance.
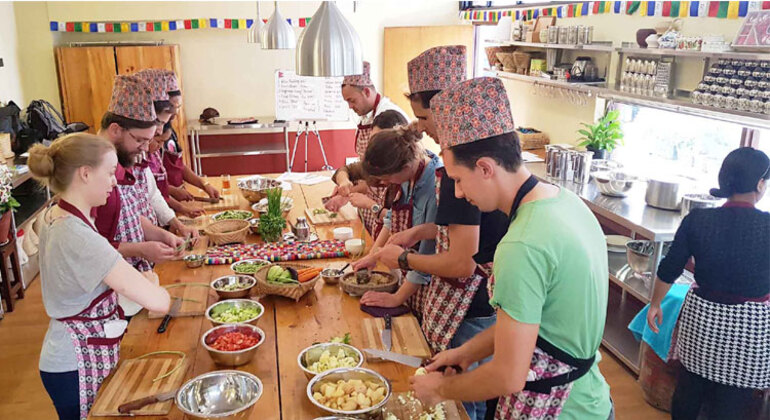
(631, 212)
(222, 127)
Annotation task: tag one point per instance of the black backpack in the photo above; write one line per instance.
(9, 119)
(48, 122)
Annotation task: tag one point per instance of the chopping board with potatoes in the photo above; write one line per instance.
(407, 337)
(134, 380)
(402, 406)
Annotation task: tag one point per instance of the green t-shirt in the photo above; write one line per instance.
(551, 269)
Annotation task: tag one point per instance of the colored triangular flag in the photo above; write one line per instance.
(733, 9)
(633, 6)
(100, 27)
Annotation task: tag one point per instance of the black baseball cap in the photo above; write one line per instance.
(740, 172)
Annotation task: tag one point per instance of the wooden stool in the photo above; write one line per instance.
(11, 286)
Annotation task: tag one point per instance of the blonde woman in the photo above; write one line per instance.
(81, 273)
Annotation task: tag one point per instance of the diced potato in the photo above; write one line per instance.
(350, 405)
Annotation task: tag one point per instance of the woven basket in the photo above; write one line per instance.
(521, 61)
(291, 291)
(349, 285)
(532, 141)
(227, 231)
(507, 60)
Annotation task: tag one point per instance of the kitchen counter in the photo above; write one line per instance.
(631, 211)
(289, 327)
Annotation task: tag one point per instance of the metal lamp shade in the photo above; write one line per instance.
(255, 32)
(278, 34)
(329, 46)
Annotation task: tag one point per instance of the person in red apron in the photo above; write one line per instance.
(361, 96)
(172, 159)
(80, 272)
(352, 182)
(395, 157)
(457, 302)
(550, 274)
(129, 124)
(723, 340)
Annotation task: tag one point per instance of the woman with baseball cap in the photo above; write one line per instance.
(723, 340)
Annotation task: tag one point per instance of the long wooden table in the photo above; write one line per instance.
(289, 327)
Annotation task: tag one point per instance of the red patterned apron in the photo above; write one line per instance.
(174, 167)
(155, 161)
(129, 223)
(555, 371)
(143, 191)
(372, 224)
(97, 355)
(446, 301)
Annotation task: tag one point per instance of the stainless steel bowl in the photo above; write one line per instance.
(194, 260)
(615, 184)
(223, 394)
(639, 254)
(311, 354)
(346, 374)
(245, 282)
(698, 201)
(237, 263)
(254, 225)
(241, 303)
(331, 275)
(287, 203)
(255, 188)
(232, 358)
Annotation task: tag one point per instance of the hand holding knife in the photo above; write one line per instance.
(405, 359)
(175, 306)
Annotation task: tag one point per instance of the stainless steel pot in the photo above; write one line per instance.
(665, 193)
(698, 201)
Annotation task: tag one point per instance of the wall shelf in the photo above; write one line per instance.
(617, 338)
(665, 52)
(605, 47)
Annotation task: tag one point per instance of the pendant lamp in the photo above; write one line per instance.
(255, 32)
(329, 46)
(278, 34)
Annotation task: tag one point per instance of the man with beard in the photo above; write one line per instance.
(361, 96)
(130, 123)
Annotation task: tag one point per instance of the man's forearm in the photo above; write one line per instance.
(152, 232)
(130, 249)
(483, 383)
(191, 178)
(443, 264)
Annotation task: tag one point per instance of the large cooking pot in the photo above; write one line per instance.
(665, 193)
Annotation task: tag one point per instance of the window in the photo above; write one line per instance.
(667, 143)
(764, 145)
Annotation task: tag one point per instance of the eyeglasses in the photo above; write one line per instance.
(138, 140)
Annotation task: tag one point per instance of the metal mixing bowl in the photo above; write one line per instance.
(238, 303)
(223, 394)
(639, 254)
(346, 374)
(615, 184)
(311, 354)
(331, 275)
(194, 260)
(245, 282)
(255, 188)
(232, 358)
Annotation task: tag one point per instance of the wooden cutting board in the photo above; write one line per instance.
(345, 215)
(411, 409)
(198, 293)
(228, 202)
(200, 222)
(133, 380)
(407, 337)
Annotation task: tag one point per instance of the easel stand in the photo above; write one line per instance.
(306, 130)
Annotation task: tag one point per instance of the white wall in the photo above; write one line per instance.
(219, 68)
(10, 79)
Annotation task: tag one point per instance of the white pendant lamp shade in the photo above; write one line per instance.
(329, 46)
(255, 32)
(278, 34)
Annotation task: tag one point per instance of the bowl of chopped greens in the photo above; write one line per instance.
(248, 267)
(234, 286)
(233, 215)
(319, 358)
(235, 311)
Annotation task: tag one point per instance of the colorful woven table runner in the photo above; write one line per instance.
(278, 251)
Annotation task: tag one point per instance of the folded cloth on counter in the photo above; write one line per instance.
(380, 312)
(671, 305)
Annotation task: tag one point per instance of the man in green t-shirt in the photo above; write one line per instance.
(550, 274)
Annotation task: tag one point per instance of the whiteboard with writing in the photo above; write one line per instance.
(302, 98)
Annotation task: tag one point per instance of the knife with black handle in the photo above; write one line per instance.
(171, 313)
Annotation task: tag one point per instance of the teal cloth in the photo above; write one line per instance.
(671, 305)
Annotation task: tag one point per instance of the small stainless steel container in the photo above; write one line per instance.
(572, 35)
(698, 201)
(553, 34)
(665, 193)
(589, 34)
(581, 35)
(563, 34)
(581, 166)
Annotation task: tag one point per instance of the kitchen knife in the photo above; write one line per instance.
(171, 313)
(387, 333)
(142, 402)
(404, 359)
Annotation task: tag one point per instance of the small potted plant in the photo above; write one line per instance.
(602, 137)
(8, 204)
(272, 223)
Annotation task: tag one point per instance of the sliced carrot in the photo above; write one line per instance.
(308, 275)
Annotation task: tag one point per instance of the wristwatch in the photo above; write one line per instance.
(403, 263)
(376, 208)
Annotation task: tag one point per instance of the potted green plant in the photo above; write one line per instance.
(602, 137)
(272, 223)
(8, 204)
